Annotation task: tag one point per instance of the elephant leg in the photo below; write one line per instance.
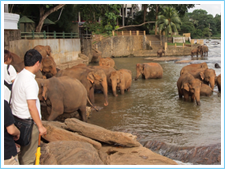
(180, 94)
(91, 95)
(57, 109)
(186, 95)
(192, 97)
(122, 90)
(82, 113)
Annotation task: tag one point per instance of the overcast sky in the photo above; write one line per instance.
(210, 8)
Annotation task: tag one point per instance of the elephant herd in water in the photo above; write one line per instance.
(70, 89)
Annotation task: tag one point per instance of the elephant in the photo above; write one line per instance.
(49, 66)
(160, 52)
(96, 55)
(65, 95)
(217, 65)
(203, 50)
(89, 78)
(121, 79)
(195, 52)
(205, 90)
(43, 50)
(194, 67)
(189, 86)
(107, 62)
(149, 71)
(208, 76)
(218, 82)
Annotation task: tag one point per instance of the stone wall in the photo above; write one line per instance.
(63, 50)
(119, 46)
(10, 35)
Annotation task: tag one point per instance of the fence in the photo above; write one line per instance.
(48, 35)
(122, 33)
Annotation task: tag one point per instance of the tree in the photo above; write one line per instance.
(44, 13)
(168, 20)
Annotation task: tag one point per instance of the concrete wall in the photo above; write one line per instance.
(10, 35)
(63, 50)
(119, 46)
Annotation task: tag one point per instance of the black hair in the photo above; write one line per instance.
(31, 57)
(7, 55)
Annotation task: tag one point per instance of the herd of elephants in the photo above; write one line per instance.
(71, 89)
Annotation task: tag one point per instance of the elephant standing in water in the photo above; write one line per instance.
(149, 71)
(203, 50)
(160, 52)
(121, 79)
(189, 86)
(218, 82)
(89, 78)
(208, 76)
(65, 95)
(194, 67)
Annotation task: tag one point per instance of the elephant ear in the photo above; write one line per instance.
(185, 86)
(49, 50)
(90, 77)
(202, 75)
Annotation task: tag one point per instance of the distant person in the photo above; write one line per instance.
(26, 105)
(11, 132)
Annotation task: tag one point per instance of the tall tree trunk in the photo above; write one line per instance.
(145, 12)
(156, 12)
(44, 15)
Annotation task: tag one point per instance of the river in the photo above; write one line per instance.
(152, 109)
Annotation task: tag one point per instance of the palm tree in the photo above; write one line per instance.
(168, 20)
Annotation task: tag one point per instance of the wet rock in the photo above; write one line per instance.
(135, 156)
(101, 134)
(59, 134)
(197, 155)
(69, 153)
(217, 65)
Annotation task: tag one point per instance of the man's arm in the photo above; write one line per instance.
(35, 116)
(13, 130)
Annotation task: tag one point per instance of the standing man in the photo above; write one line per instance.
(26, 105)
(11, 132)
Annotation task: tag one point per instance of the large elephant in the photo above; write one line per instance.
(107, 62)
(160, 52)
(149, 71)
(189, 86)
(218, 82)
(121, 79)
(203, 50)
(43, 50)
(208, 76)
(89, 78)
(49, 66)
(194, 52)
(65, 95)
(194, 67)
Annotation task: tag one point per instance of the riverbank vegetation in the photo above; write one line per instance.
(103, 18)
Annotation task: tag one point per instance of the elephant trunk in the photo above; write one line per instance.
(212, 82)
(197, 97)
(114, 85)
(138, 74)
(105, 91)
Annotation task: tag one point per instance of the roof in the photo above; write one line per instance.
(25, 19)
(48, 22)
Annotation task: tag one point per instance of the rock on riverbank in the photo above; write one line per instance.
(78, 143)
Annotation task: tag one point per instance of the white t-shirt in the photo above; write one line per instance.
(24, 88)
(8, 78)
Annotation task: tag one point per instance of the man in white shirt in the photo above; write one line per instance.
(26, 105)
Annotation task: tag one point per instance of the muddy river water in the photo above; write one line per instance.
(152, 109)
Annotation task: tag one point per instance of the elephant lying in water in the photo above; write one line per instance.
(121, 79)
(106, 62)
(189, 86)
(149, 71)
(65, 95)
(194, 67)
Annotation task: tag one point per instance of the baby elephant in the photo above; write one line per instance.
(120, 79)
(160, 52)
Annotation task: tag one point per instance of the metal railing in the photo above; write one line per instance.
(48, 35)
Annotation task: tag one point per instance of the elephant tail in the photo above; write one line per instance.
(91, 104)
